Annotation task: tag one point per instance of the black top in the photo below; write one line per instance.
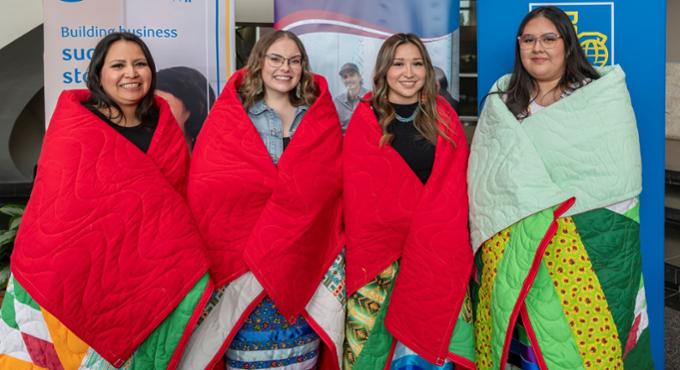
(417, 151)
(139, 135)
(286, 141)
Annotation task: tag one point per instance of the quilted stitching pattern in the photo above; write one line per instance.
(491, 254)
(390, 214)
(639, 357)
(586, 146)
(512, 276)
(566, 304)
(70, 349)
(46, 342)
(107, 236)
(582, 298)
(363, 310)
(368, 341)
(280, 222)
(546, 317)
(462, 346)
(613, 244)
(519, 169)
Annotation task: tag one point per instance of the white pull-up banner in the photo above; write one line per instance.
(190, 33)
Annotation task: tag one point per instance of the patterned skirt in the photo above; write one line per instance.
(267, 341)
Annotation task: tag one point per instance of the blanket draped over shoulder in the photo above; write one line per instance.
(270, 229)
(391, 216)
(554, 217)
(108, 258)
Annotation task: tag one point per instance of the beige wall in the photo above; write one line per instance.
(255, 11)
(673, 31)
(673, 84)
(18, 17)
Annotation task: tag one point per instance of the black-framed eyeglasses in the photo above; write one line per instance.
(547, 40)
(276, 60)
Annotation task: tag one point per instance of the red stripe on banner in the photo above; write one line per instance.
(322, 27)
(323, 14)
(42, 352)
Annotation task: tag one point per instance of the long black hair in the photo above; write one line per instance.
(146, 111)
(577, 69)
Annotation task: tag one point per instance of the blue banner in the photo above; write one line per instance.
(629, 33)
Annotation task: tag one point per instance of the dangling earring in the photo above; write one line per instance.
(259, 87)
(298, 91)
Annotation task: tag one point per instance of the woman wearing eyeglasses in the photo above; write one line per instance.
(265, 185)
(554, 179)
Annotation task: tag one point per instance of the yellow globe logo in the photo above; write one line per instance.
(595, 47)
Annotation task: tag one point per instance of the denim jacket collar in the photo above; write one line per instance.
(260, 106)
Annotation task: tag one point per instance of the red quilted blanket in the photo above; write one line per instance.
(390, 215)
(282, 222)
(108, 244)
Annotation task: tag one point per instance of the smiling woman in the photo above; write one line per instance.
(408, 257)
(108, 223)
(265, 189)
(554, 180)
(125, 78)
(122, 79)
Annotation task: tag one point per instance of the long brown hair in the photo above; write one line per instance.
(427, 117)
(252, 88)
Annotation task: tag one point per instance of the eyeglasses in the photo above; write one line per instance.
(547, 40)
(276, 60)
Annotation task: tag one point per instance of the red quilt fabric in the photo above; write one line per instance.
(108, 244)
(282, 222)
(390, 215)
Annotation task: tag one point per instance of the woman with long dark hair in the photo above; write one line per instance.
(408, 259)
(108, 266)
(265, 188)
(554, 213)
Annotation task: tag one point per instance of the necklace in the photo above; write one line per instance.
(406, 119)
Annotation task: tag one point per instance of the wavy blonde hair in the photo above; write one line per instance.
(427, 117)
(252, 87)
